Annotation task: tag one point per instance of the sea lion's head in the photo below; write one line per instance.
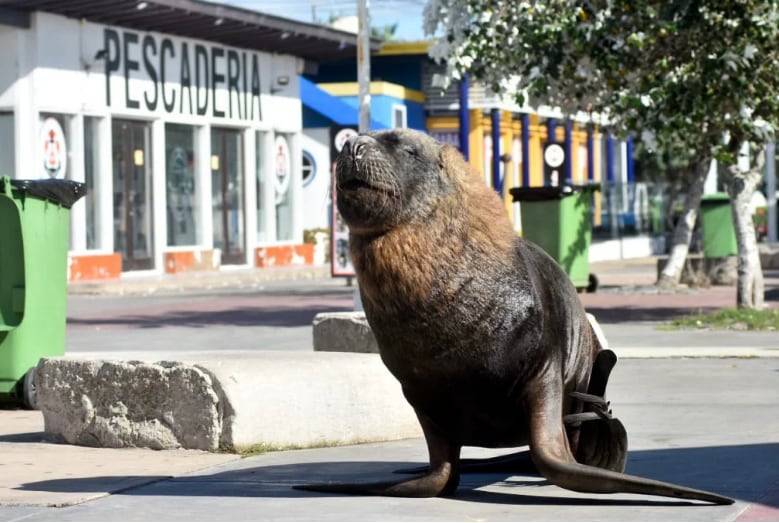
(386, 178)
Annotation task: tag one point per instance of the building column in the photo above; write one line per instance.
(159, 194)
(250, 193)
(203, 179)
(78, 214)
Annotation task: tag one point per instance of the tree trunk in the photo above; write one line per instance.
(672, 272)
(741, 188)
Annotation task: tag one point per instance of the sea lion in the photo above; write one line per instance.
(484, 331)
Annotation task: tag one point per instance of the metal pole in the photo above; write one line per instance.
(590, 154)
(525, 150)
(497, 182)
(364, 65)
(364, 88)
(770, 189)
(568, 151)
(465, 119)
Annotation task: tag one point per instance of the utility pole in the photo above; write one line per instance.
(364, 87)
(364, 65)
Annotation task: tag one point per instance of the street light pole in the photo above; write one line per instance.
(364, 65)
(364, 87)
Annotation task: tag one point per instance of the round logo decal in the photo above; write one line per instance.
(342, 136)
(55, 152)
(554, 155)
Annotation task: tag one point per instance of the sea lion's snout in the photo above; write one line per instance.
(356, 146)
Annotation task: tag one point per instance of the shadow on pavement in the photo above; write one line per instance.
(746, 472)
(235, 317)
(627, 314)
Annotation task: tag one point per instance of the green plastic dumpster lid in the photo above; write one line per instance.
(63, 192)
(715, 197)
(539, 194)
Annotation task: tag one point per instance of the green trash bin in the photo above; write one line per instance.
(558, 220)
(34, 223)
(718, 235)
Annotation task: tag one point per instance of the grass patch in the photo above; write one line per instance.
(731, 319)
(264, 448)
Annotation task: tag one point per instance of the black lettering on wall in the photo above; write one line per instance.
(149, 45)
(216, 79)
(233, 75)
(112, 59)
(256, 89)
(186, 80)
(168, 103)
(201, 58)
(129, 65)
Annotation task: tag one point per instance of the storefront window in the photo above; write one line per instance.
(181, 189)
(91, 159)
(7, 158)
(227, 193)
(282, 180)
(133, 219)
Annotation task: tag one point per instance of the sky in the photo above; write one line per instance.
(406, 13)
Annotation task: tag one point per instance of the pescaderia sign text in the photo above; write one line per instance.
(183, 77)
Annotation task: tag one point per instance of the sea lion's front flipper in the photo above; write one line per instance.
(552, 454)
(441, 479)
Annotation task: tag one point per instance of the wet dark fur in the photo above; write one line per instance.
(484, 331)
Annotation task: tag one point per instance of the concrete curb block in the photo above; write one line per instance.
(94, 403)
(343, 332)
(273, 399)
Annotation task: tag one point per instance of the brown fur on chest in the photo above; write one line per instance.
(408, 265)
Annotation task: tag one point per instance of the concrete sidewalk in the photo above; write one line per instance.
(704, 423)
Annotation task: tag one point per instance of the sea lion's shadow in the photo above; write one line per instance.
(709, 468)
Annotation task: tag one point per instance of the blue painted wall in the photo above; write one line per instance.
(381, 110)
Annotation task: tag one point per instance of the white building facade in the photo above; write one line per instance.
(190, 148)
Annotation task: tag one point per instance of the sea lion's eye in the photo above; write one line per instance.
(410, 149)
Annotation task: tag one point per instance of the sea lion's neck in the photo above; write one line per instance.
(400, 262)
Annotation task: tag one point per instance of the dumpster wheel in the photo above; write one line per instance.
(593, 283)
(30, 390)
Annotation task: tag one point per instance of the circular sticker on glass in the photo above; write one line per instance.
(283, 166)
(554, 155)
(55, 152)
(341, 137)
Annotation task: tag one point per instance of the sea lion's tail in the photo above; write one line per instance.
(564, 472)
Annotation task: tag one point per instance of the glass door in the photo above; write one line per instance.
(132, 193)
(227, 192)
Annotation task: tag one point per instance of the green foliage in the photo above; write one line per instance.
(384, 32)
(685, 73)
(736, 319)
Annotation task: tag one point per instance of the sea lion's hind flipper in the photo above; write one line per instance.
(552, 454)
(517, 462)
(602, 441)
(604, 362)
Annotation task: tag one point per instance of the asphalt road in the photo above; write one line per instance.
(272, 316)
(201, 323)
